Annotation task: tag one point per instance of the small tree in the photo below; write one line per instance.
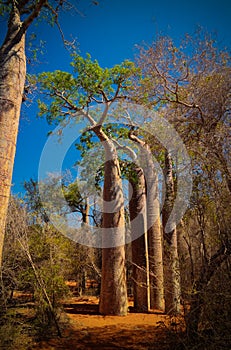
(37, 259)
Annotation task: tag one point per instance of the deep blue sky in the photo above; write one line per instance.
(109, 32)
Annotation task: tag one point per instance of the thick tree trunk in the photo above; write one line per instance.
(12, 80)
(171, 259)
(113, 295)
(137, 209)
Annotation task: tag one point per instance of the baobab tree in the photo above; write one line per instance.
(171, 259)
(19, 16)
(137, 207)
(70, 96)
(153, 225)
(191, 85)
(138, 219)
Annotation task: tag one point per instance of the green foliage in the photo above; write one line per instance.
(73, 196)
(66, 95)
(95, 79)
(33, 201)
(50, 255)
(216, 313)
(13, 332)
(4, 8)
(35, 48)
(86, 142)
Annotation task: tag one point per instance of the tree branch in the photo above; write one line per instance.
(136, 139)
(34, 14)
(126, 149)
(104, 114)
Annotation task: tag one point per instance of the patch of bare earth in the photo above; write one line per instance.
(89, 330)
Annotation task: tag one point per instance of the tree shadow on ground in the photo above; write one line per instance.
(114, 337)
(83, 309)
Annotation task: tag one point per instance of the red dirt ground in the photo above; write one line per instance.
(89, 330)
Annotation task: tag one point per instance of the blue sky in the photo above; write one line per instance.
(109, 32)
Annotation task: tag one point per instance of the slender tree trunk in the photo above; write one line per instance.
(137, 209)
(186, 264)
(89, 251)
(154, 239)
(85, 212)
(155, 244)
(12, 80)
(171, 259)
(41, 285)
(113, 295)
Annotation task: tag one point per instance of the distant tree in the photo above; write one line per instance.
(33, 201)
(76, 202)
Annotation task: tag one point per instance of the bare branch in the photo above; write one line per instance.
(37, 9)
(104, 114)
(126, 149)
(136, 139)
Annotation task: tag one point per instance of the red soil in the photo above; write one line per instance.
(89, 330)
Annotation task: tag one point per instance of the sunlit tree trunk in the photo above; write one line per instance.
(113, 295)
(155, 248)
(137, 209)
(85, 212)
(12, 80)
(171, 259)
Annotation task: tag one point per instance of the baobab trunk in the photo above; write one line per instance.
(137, 209)
(171, 259)
(155, 247)
(153, 226)
(12, 80)
(113, 294)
